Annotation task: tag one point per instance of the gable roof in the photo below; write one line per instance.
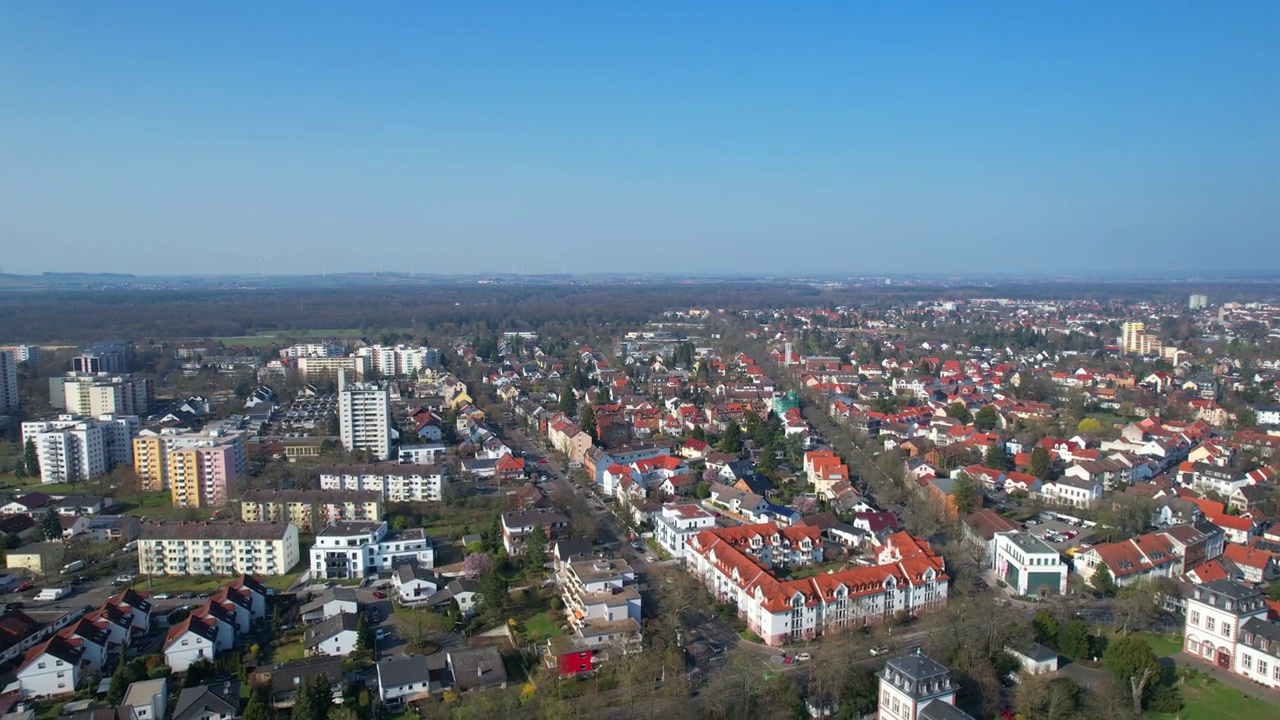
(221, 698)
(329, 627)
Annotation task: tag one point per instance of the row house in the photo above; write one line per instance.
(1165, 553)
(216, 625)
(310, 509)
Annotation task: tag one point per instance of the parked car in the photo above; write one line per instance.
(879, 650)
(161, 596)
(379, 595)
(1032, 521)
(716, 647)
(26, 586)
(803, 657)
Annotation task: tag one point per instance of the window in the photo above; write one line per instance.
(1262, 668)
(1226, 629)
(1248, 662)
(1195, 618)
(1208, 623)
(1275, 672)
(40, 665)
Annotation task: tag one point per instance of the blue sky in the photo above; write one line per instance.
(690, 137)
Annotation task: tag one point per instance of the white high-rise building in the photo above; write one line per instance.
(77, 448)
(8, 383)
(1198, 302)
(104, 394)
(364, 418)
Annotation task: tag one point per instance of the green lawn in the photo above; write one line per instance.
(1205, 698)
(288, 652)
(657, 549)
(206, 583)
(1163, 645)
(540, 627)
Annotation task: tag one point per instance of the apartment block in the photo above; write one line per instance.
(356, 549)
(320, 368)
(311, 350)
(311, 509)
(600, 601)
(199, 469)
(394, 482)
(29, 354)
(108, 356)
(1029, 565)
(673, 527)
(399, 361)
(364, 419)
(8, 382)
(71, 447)
(102, 394)
(217, 548)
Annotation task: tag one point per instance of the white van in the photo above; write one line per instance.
(51, 594)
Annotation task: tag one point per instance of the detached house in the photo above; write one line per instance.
(51, 669)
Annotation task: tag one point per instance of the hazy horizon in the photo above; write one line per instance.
(713, 139)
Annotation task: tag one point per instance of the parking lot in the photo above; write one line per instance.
(1057, 533)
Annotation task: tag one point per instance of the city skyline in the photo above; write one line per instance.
(714, 140)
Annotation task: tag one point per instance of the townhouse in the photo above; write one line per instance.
(1165, 553)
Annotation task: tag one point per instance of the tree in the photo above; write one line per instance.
(995, 457)
(492, 589)
(1089, 426)
(256, 709)
(731, 438)
(476, 565)
(1103, 582)
(987, 419)
(588, 421)
(1041, 462)
(50, 525)
(703, 491)
(313, 700)
(535, 547)
(965, 495)
(1046, 626)
(1246, 417)
(364, 633)
(1074, 640)
(567, 402)
(959, 411)
(31, 460)
(1134, 665)
(1047, 698)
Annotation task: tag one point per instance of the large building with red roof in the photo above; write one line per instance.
(747, 565)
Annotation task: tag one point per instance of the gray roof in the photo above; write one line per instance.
(916, 666)
(218, 698)
(939, 710)
(477, 667)
(1256, 632)
(351, 527)
(141, 692)
(329, 627)
(288, 677)
(1036, 652)
(413, 570)
(402, 671)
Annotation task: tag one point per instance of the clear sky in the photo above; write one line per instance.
(709, 137)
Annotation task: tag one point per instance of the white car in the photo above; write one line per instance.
(161, 596)
(803, 657)
(879, 650)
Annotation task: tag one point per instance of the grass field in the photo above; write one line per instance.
(1163, 645)
(207, 583)
(287, 652)
(540, 627)
(1205, 698)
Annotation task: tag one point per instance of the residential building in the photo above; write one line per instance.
(51, 669)
(332, 601)
(980, 530)
(1255, 564)
(104, 529)
(1216, 612)
(400, 360)
(1258, 652)
(403, 680)
(73, 448)
(335, 636)
(395, 482)
(190, 641)
(216, 701)
(516, 527)
(1072, 491)
(601, 601)
(415, 584)
(8, 382)
(310, 509)
(95, 394)
(738, 564)
(914, 687)
(315, 368)
(311, 350)
(421, 454)
(1029, 565)
(199, 469)
(678, 522)
(1198, 302)
(477, 667)
(107, 356)
(287, 678)
(356, 549)
(147, 699)
(364, 419)
(29, 354)
(217, 548)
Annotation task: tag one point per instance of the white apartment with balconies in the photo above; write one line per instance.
(364, 419)
(358, 549)
(678, 522)
(396, 482)
(217, 548)
(71, 447)
(600, 600)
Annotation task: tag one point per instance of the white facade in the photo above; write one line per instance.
(1021, 558)
(1072, 491)
(55, 670)
(422, 483)
(364, 419)
(218, 549)
(94, 395)
(77, 448)
(1215, 613)
(421, 454)
(909, 683)
(399, 361)
(673, 527)
(8, 382)
(190, 645)
(360, 548)
(1258, 652)
(311, 350)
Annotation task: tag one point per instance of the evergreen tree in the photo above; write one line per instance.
(1074, 640)
(965, 495)
(30, 460)
(364, 633)
(256, 709)
(1046, 627)
(1041, 462)
(1103, 582)
(731, 439)
(50, 526)
(987, 419)
(535, 548)
(567, 402)
(996, 458)
(959, 412)
(588, 421)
